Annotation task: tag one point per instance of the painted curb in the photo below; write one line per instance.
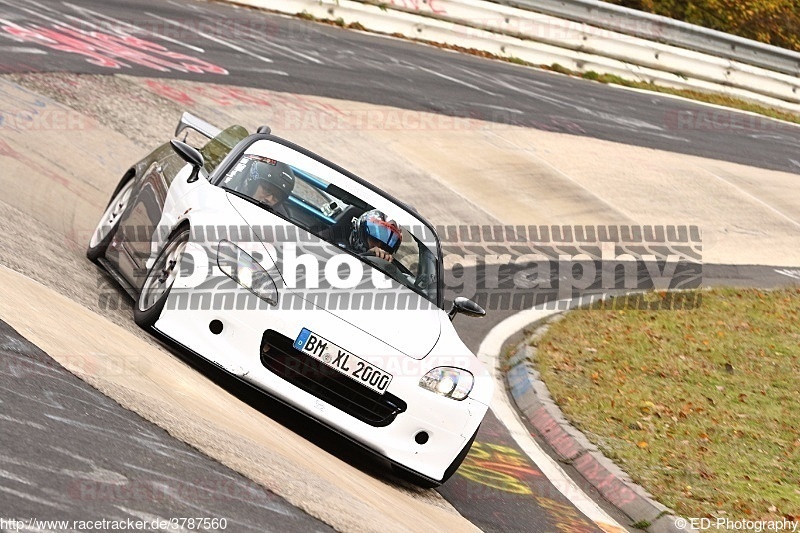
(535, 404)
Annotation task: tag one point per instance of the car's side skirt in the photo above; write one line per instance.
(119, 278)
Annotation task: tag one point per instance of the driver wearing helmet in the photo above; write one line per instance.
(374, 234)
(269, 184)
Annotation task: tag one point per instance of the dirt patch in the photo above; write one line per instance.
(113, 101)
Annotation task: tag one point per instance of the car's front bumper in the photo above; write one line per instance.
(425, 436)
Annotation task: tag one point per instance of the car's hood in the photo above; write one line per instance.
(397, 316)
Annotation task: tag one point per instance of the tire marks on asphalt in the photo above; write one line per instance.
(107, 462)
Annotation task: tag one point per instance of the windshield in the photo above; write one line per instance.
(340, 211)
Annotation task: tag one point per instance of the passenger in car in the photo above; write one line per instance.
(270, 185)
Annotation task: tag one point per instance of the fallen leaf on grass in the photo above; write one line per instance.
(646, 406)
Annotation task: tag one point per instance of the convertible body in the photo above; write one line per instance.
(276, 296)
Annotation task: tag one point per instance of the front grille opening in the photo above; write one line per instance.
(280, 357)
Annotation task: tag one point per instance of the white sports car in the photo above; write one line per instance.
(305, 281)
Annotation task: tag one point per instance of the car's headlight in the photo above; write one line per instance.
(244, 270)
(455, 383)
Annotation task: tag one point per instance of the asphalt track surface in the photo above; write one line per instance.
(67, 452)
(296, 56)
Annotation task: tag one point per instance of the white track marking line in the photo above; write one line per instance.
(489, 352)
(756, 199)
(22, 49)
(130, 27)
(223, 42)
(34, 499)
(193, 7)
(456, 80)
(606, 119)
(82, 22)
(42, 6)
(34, 14)
(792, 273)
(266, 44)
(497, 107)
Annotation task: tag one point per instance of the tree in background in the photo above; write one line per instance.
(775, 22)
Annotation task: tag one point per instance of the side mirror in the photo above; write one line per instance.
(466, 306)
(190, 155)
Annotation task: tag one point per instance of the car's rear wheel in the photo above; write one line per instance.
(159, 280)
(109, 222)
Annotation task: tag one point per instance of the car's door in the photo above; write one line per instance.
(139, 228)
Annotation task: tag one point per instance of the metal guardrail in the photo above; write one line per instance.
(665, 30)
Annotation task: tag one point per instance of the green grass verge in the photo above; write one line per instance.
(700, 406)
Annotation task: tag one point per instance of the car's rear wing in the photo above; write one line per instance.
(220, 143)
(197, 124)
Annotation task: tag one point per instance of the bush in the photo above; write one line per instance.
(775, 22)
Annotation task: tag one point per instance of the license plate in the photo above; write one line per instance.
(339, 359)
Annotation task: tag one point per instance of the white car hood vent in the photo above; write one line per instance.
(396, 316)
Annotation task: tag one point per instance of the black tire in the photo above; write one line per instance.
(109, 221)
(427, 483)
(148, 306)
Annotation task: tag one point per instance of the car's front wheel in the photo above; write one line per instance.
(159, 280)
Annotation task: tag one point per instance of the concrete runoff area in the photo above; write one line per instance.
(464, 171)
(57, 181)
